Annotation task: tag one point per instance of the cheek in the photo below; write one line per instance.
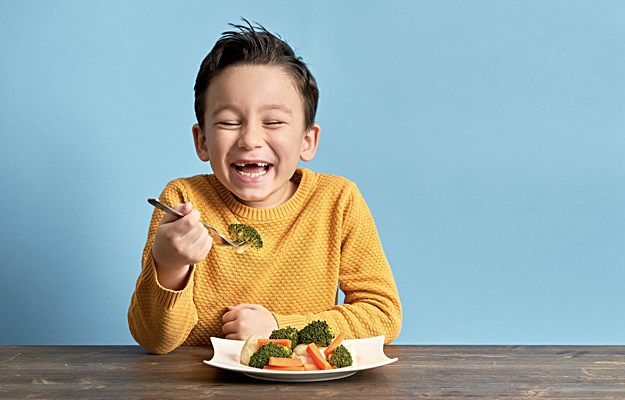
(296, 150)
(217, 148)
(289, 147)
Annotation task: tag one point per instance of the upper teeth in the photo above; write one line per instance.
(252, 174)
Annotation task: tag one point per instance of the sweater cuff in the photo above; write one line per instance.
(165, 297)
(294, 321)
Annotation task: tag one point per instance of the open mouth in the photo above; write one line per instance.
(252, 170)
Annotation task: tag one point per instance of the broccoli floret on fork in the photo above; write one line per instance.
(246, 234)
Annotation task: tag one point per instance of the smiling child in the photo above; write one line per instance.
(255, 103)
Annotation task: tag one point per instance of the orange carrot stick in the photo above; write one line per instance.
(311, 367)
(285, 362)
(283, 342)
(335, 343)
(317, 357)
(274, 368)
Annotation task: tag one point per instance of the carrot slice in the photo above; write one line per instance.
(317, 357)
(274, 368)
(335, 343)
(283, 342)
(311, 367)
(285, 362)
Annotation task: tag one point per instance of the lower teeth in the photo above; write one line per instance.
(253, 174)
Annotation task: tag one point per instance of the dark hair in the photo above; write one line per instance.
(255, 46)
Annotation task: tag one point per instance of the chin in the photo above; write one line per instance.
(250, 195)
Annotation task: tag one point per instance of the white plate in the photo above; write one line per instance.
(369, 354)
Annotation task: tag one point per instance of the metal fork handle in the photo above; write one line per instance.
(164, 207)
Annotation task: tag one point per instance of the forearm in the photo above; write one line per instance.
(173, 279)
(362, 318)
(372, 306)
(160, 319)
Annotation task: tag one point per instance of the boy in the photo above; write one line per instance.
(255, 103)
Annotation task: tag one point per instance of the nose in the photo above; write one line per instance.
(250, 137)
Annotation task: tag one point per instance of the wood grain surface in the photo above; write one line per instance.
(433, 372)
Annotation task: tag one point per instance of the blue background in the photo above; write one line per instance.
(488, 138)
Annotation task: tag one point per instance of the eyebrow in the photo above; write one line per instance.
(278, 107)
(266, 107)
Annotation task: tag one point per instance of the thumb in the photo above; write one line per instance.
(244, 305)
(184, 208)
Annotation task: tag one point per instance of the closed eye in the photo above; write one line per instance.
(228, 123)
(274, 123)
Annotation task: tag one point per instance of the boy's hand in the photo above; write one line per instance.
(245, 320)
(178, 243)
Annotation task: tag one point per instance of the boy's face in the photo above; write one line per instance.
(254, 133)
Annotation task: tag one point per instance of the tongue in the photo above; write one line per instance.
(251, 168)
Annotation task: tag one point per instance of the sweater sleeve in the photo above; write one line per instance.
(160, 319)
(372, 306)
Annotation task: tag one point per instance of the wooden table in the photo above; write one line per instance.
(434, 372)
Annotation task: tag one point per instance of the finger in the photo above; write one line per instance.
(230, 328)
(244, 306)
(229, 317)
(202, 245)
(194, 245)
(236, 330)
(192, 232)
(237, 336)
(184, 225)
(208, 245)
(235, 316)
(183, 208)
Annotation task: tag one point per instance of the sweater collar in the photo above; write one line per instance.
(306, 180)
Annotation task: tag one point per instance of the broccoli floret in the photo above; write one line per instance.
(340, 357)
(247, 234)
(261, 357)
(286, 333)
(317, 332)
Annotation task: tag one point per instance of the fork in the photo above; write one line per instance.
(219, 240)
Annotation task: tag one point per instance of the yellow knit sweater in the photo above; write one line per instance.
(323, 235)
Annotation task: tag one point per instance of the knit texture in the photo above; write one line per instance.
(323, 235)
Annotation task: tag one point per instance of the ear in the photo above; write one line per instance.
(200, 143)
(310, 143)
